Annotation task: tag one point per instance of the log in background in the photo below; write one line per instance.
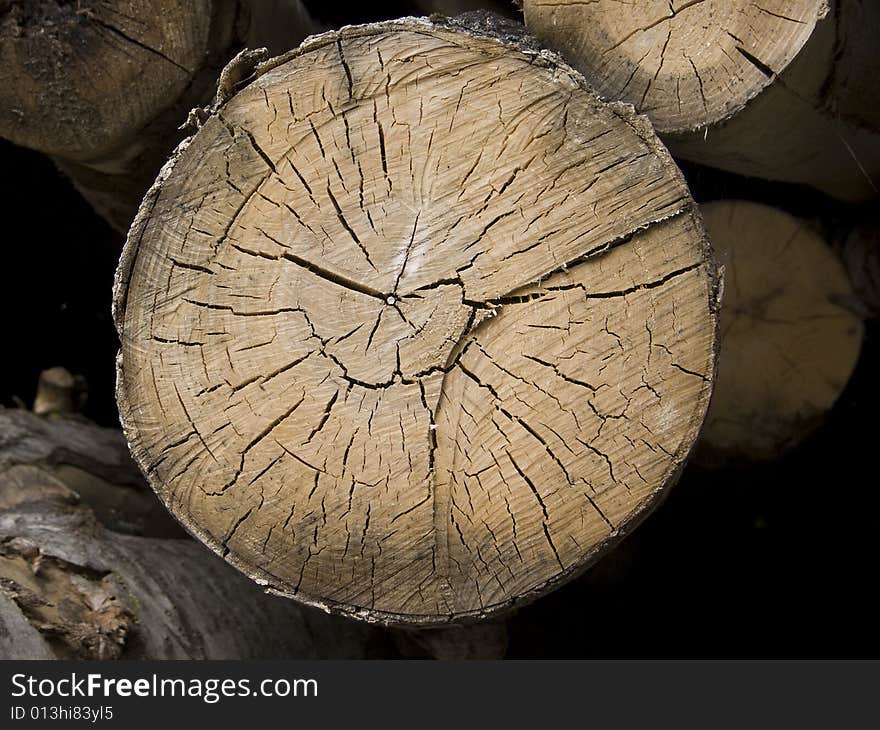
(768, 560)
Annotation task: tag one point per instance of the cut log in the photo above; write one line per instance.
(60, 392)
(92, 461)
(782, 89)
(790, 337)
(70, 588)
(861, 256)
(102, 87)
(415, 326)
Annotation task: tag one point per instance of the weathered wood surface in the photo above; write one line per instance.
(781, 89)
(415, 326)
(102, 87)
(791, 332)
(71, 588)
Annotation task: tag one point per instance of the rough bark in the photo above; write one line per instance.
(415, 326)
(71, 588)
(790, 336)
(782, 89)
(103, 87)
(454, 8)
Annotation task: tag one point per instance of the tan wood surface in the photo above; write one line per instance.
(415, 326)
(103, 87)
(790, 332)
(780, 89)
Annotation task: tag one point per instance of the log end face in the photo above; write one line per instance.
(414, 328)
(791, 335)
(68, 70)
(687, 65)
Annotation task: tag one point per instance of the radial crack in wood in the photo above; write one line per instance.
(103, 87)
(72, 587)
(780, 89)
(415, 326)
(687, 63)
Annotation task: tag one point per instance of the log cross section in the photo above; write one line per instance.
(778, 89)
(415, 326)
(685, 63)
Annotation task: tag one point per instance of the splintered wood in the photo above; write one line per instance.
(72, 587)
(415, 326)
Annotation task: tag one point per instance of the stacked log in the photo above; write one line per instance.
(72, 588)
(102, 88)
(418, 321)
(415, 327)
(791, 332)
(781, 89)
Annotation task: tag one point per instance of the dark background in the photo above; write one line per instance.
(773, 560)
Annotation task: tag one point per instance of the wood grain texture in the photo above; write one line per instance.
(415, 326)
(103, 87)
(779, 89)
(72, 588)
(790, 332)
(685, 63)
(68, 69)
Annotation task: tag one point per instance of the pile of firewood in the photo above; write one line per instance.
(419, 318)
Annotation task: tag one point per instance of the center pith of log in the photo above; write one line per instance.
(415, 326)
